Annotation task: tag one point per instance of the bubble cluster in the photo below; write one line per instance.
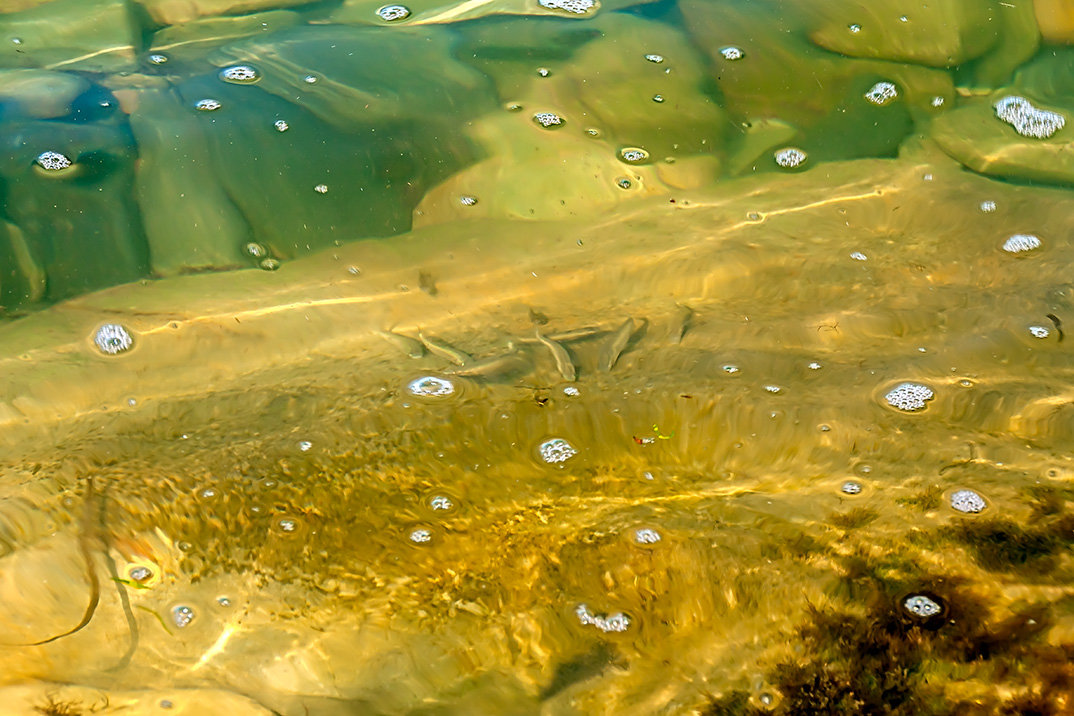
(646, 536)
(854, 29)
(321, 188)
(305, 445)
(633, 155)
(1020, 243)
(967, 502)
(572, 391)
(112, 339)
(773, 389)
(430, 386)
(1026, 119)
(548, 119)
(544, 72)
(310, 79)
(556, 450)
(240, 74)
(654, 58)
(393, 13)
(140, 574)
(207, 105)
(909, 397)
(52, 161)
(921, 606)
(730, 369)
(937, 101)
(987, 206)
(420, 536)
(731, 53)
(281, 126)
(287, 525)
(617, 622)
(157, 59)
(859, 256)
(881, 93)
(850, 487)
(790, 157)
(577, 7)
(467, 200)
(1039, 331)
(182, 615)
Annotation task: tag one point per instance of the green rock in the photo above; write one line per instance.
(40, 94)
(87, 35)
(940, 33)
(79, 225)
(194, 40)
(975, 137)
(190, 221)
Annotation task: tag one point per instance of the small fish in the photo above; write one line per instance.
(684, 317)
(510, 362)
(446, 351)
(408, 345)
(575, 334)
(563, 359)
(615, 344)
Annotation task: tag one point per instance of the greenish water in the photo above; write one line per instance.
(502, 357)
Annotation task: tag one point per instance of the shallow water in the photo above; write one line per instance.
(491, 360)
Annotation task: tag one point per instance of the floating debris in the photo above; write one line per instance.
(882, 93)
(1027, 120)
(576, 7)
(556, 450)
(393, 13)
(921, 606)
(967, 502)
(430, 386)
(617, 622)
(112, 339)
(909, 397)
(1020, 243)
(790, 157)
(140, 574)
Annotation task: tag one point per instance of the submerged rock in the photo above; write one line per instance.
(177, 12)
(40, 94)
(198, 38)
(92, 35)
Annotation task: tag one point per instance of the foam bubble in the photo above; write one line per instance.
(240, 74)
(431, 386)
(617, 622)
(1020, 243)
(1027, 120)
(881, 93)
(393, 13)
(790, 157)
(182, 615)
(921, 606)
(633, 155)
(654, 58)
(556, 450)
(576, 7)
(646, 536)
(52, 161)
(731, 53)
(850, 487)
(112, 339)
(207, 105)
(548, 119)
(967, 502)
(909, 397)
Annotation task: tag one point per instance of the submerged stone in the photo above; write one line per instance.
(178, 12)
(199, 38)
(40, 94)
(92, 35)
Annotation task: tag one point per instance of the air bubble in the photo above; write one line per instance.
(420, 536)
(548, 119)
(305, 445)
(921, 606)
(52, 161)
(269, 264)
(544, 72)
(623, 183)
(646, 535)
(814, 365)
(909, 397)
(321, 188)
(281, 126)
(859, 256)
(658, 98)
(617, 622)
(1027, 120)
(854, 29)
(240, 74)
(182, 615)
(112, 339)
(937, 101)
(393, 13)
(850, 487)
(1021, 243)
(571, 391)
(967, 502)
(207, 105)
(467, 200)
(633, 155)
(576, 7)
(310, 79)
(256, 250)
(287, 525)
(655, 59)
(430, 386)
(441, 503)
(556, 450)
(987, 206)
(730, 369)
(140, 574)
(881, 93)
(731, 53)
(157, 59)
(790, 157)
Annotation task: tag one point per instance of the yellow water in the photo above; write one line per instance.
(251, 511)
